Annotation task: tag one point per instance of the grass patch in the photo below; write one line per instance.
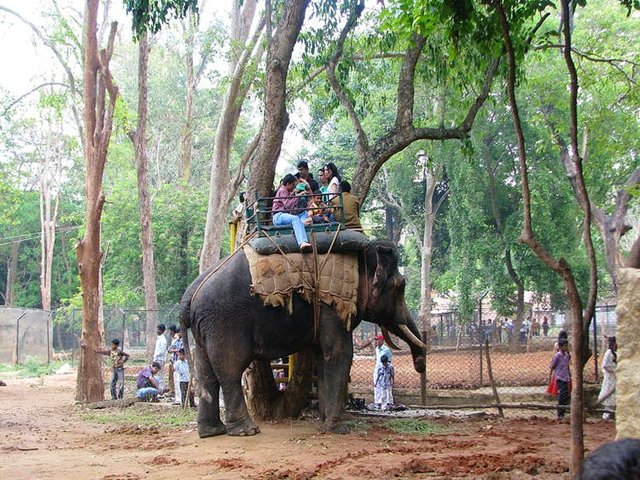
(143, 415)
(412, 426)
(32, 367)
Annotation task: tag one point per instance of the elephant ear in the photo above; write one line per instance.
(385, 260)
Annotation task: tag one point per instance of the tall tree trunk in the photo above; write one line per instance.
(98, 123)
(269, 146)
(222, 186)
(139, 138)
(12, 269)
(186, 140)
(47, 236)
(276, 118)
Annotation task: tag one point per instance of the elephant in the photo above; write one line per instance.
(232, 327)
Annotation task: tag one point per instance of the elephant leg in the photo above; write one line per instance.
(209, 423)
(318, 360)
(337, 350)
(237, 419)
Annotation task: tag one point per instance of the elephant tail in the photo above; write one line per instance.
(185, 304)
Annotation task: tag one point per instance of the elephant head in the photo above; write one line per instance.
(381, 299)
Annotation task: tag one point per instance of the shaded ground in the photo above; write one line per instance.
(46, 436)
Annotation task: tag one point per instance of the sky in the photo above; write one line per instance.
(27, 61)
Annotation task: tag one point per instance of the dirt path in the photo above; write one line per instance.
(45, 436)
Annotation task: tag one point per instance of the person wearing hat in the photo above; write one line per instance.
(559, 367)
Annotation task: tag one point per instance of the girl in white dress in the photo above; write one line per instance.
(607, 395)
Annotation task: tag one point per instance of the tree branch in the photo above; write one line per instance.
(361, 137)
(71, 78)
(21, 97)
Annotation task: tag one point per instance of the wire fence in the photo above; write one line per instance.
(456, 358)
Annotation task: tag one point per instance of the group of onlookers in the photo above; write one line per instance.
(150, 383)
(300, 201)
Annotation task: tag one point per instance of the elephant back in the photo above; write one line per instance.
(330, 278)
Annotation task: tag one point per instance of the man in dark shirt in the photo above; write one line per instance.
(303, 173)
(350, 206)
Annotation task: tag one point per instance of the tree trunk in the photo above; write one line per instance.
(264, 399)
(275, 118)
(186, 140)
(139, 138)
(12, 269)
(98, 122)
(222, 187)
(269, 145)
(47, 235)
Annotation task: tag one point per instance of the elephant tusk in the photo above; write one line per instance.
(387, 338)
(410, 336)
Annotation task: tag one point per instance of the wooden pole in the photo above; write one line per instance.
(493, 383)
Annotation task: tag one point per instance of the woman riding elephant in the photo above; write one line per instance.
(232, 327)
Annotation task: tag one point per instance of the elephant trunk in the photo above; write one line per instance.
(406, 329)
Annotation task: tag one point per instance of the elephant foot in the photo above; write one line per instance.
(242, 429)
(206, 431)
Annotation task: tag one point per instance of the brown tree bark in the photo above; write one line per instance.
(99, 94)
(373, 154)
(275, 118)
(47, 240)
(263, 171)
(139, 139)
(223, 185)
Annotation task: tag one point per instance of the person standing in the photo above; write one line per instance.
(174, 348)
(559, 367)
(381, 350)
(607, 396)
(181, 367)
(160, 353)
(118, 359)
(383, 393)
(545, 326)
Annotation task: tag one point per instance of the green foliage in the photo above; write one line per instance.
(32, 367)
(152, 15)
(412, 426)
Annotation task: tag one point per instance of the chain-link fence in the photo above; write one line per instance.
(126, 324)
(456, 355)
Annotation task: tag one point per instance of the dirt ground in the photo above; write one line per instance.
(46, 436)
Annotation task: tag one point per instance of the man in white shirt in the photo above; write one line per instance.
(160, 354)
